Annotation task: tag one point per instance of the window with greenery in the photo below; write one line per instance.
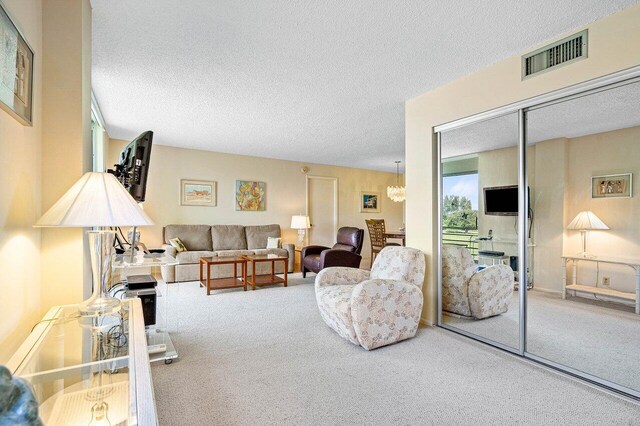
(460, 202)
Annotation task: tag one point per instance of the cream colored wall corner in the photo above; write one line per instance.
(66, 138)
(285, 191)
(614, 43)
(20, 191)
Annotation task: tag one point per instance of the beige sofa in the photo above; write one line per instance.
(220, 240)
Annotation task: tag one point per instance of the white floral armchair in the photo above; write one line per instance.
(472, 293)
(376, 308)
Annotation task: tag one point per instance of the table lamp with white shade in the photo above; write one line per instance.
(301, 223)
(97, 200)
(583, 222)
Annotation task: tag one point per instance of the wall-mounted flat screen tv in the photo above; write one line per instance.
(501, 200)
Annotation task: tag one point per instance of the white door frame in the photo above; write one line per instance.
(335, 198)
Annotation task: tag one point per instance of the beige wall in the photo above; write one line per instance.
(285, 185)
(20, 190)
(41, 268)
(614, 43)
(66, 136)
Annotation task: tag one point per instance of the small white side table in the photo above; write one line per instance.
(623, 295)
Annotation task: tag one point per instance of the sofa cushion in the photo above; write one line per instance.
(187, 257)
(178, 245)
(274, 242)
(194, 237)
(228, 237)
(257, 235)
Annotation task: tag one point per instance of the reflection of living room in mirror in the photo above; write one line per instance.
(584, 222)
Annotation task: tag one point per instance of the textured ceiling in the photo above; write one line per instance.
(312, 81)
(613, 109)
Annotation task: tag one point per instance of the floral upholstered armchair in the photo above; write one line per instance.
(472, 293)
(376, 308)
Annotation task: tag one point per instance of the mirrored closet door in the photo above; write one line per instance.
(479, 208)
(539, 229)
(584, 159)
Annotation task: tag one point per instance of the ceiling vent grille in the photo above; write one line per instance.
(565, 51)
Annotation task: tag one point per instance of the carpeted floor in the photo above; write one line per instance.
(266, 358)
(599, 338)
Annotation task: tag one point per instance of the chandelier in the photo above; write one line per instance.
(396, 193)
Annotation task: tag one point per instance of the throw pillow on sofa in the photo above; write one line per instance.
(273, 242)
(178, 244)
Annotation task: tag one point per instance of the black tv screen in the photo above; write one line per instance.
(501, 201)
(133, 165)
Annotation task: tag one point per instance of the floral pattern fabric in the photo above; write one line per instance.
(490, 291)
(378, 308)
(474, 294)
(385, 312)
(401, 264)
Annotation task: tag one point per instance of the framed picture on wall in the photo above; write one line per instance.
(369, 202)
(250, 196)
(16, 71)
(198, 193)
(612, 186)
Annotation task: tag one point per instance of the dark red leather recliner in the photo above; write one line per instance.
(346, 252)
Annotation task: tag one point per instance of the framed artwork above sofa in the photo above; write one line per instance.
(197, 193)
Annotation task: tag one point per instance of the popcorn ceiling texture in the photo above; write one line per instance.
(313, 81)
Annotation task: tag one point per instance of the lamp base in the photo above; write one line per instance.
(300, 241)
(101, 251)
(99, 306)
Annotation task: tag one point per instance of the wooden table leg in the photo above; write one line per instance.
(244, 275)
(201, 285)
(209, 279)
(235, 272)
(285, 272)
(273, 270)
(253, 275)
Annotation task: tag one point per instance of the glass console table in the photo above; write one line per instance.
(89, 370)
(161, 347)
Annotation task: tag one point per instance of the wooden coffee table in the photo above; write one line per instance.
(206, 263)
(268, 279)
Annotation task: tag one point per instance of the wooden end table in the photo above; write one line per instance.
(268, 279)
(219, 283)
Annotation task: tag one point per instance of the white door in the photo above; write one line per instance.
(322, 210)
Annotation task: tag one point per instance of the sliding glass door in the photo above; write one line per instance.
(539, 229)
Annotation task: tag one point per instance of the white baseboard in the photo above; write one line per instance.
(547, 290)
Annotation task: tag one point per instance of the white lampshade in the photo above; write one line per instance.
(587, 221)
(300, 222)
(97, 199)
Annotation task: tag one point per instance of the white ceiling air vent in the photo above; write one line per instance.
(565, 51)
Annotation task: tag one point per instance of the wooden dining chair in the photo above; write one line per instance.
(377, 236)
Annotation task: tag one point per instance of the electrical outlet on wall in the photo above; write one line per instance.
(606, 281)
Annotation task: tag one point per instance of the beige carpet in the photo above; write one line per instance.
(599, 338)
(266, 358)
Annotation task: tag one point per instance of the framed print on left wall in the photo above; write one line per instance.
(16, 71)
